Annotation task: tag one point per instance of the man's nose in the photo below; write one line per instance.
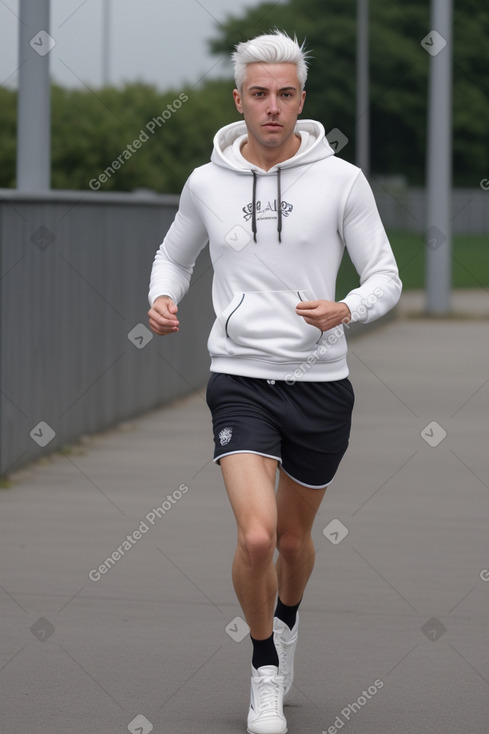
(273, 106)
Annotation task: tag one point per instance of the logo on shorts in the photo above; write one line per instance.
(225, 436)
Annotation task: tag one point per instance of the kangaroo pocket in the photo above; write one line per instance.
(265, 322)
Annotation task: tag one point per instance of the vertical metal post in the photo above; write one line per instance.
(34, 97)
(439, 174)
(106, 37)
(363, 110)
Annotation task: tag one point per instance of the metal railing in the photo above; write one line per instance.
(405, 208)
(76, 355)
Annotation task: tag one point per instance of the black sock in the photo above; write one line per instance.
(287, 614)
(264, 652)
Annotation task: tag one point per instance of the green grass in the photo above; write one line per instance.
(470, 262)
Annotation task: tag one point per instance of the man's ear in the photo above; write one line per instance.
(237, 101)
(303, 99)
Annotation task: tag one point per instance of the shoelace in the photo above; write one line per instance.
(287, 643)
(282, 650)
(282, 655)
(268, 690)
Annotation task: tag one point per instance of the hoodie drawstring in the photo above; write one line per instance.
(279, 207)
(253, 213)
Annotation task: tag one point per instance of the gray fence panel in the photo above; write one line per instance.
(405, 209)
(74, 279)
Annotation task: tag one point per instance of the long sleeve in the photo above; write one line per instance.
(368, 246)
(175, 259)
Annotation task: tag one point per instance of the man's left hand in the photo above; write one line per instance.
(323, 314)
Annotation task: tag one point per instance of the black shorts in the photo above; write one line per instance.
(305, 426)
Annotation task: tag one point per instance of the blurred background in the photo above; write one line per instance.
(109, 81)
(159, 73)
(117, 64)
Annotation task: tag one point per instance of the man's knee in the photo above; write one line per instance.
(291, 546)
(258, 544)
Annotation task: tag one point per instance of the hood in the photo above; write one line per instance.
(227, 154)
(229, 139)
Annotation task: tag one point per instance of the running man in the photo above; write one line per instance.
(278, 209)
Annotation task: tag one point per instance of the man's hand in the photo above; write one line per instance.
(162, 319)
(323, 314)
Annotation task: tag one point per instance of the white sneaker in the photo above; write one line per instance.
(285, 640)
(266, 714)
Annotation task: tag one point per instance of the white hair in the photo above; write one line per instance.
(274, 48)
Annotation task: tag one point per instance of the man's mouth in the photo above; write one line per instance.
(272, 124)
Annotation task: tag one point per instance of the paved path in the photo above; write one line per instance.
(394, 624)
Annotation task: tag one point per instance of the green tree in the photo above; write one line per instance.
(90, 129)
(398, 72)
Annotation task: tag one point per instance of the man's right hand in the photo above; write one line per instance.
(162, 319)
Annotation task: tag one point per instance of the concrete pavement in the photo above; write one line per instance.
(394, 623)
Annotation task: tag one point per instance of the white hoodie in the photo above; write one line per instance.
(277, 237)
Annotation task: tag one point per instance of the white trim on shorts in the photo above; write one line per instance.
(268, 456)
(308, 486)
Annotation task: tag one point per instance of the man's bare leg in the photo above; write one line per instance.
(297, 507)
(250, 484)
(265, 521)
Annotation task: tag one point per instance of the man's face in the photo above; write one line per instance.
(270, 100)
